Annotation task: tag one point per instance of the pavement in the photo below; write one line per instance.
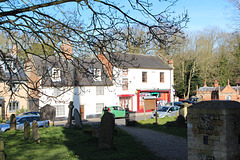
(118, 121)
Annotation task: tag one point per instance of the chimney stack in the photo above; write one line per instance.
(67, 48)
(215, 83)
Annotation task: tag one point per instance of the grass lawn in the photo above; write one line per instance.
(58, 143)
(166, 124)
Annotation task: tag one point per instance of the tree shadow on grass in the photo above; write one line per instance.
(178, 127)
(86, 147)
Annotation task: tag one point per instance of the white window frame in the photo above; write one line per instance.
(13, 106)
(125, 84)
(56, 74)
(97, 75)
(99, 90)
(60, 110)
(99, 107)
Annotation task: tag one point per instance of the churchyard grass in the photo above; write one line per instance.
(166, 125)
(59, 143)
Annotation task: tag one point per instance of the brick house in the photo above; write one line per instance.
(13, 81)
(217, 92)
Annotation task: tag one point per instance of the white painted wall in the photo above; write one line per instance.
(87, 95)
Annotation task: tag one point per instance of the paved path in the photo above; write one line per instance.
(165, 146)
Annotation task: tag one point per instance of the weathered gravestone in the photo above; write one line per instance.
(106, 131)
(2, 154)
(35, 131)
(47, 112)
(214, 130)
(69, 122)
(26, 130)
(78, 120)
(13, 122)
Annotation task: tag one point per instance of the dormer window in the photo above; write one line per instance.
(13, 87)
(10, 65)
(56, 76)
(97, 75)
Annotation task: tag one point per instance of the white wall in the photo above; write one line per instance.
(87, 95)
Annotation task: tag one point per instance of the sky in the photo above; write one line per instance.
(205, 13)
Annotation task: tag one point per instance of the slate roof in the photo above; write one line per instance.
(122, 60)
(16, 74)
(210, 89)
(72, 73)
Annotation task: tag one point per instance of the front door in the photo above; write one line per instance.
(81, 109)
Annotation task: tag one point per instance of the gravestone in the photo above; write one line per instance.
(69, 122)
(106, 131)
(78, 120)
(95, 131)
(35, 131)
(26, 130)
(13, 122)
(2, 154)
(214, 130)
(47, 112)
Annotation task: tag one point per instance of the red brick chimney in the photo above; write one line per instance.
(67, 48)
(215, 83)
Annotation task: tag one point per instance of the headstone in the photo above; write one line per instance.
(69, 122)
(13, 122)
(214, 130)
(78, 120)
(106, 131)
(95, 131)
(47, 112)
(2, 154)
(26, 130)
(35, 131)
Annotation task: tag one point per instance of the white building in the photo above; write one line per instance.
(121, 79)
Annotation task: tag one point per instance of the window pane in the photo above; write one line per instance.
(99, 107)
(125, 83)
(144, 76)
(161, 77)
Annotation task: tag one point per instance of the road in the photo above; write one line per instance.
(120, 121)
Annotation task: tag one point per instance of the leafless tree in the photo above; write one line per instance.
(88, 27)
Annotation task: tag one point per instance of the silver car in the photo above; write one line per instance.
(167, 111)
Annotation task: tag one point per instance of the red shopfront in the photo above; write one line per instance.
(126, 101)
(162, 97)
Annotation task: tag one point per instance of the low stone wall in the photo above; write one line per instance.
(214, 130)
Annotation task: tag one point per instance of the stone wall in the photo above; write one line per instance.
(214, 130)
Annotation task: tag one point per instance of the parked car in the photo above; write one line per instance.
(194, 100)
(31, 113)
(20, 122)
(166, 111)
(173, 103)
(187, 101)
(117, 111)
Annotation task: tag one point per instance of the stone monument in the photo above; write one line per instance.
(35, 131)
(26, 130)
(13, 122)
(48, 112)
(69, 122)
(2, 154)
(78, 120)
(106, 131)
(214, 130)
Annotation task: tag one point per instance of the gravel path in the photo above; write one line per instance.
(164, 146)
